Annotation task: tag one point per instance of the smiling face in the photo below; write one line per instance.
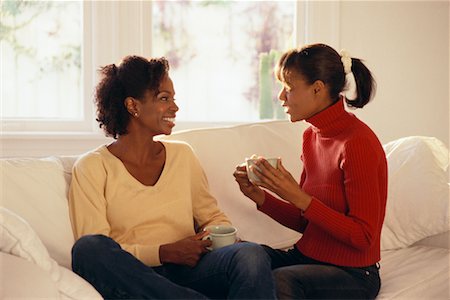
(156, 113)
(302, 100)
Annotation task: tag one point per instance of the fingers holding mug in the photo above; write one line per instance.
(221, 235)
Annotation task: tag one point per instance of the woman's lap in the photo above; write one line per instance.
(236, 269)
(241, 270)
(299, 277)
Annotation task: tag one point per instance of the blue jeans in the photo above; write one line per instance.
(239, 271)
(300, 277)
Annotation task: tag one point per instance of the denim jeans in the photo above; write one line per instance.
(300, 277)
(239, 271)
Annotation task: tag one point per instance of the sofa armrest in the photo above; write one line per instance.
(23, 279)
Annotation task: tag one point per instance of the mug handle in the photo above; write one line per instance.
(207, 237)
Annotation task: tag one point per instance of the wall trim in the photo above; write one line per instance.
(318, 22)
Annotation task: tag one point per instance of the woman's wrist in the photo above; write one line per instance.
(164, 253)
(259, 198)
(302, 201)
(307, 202)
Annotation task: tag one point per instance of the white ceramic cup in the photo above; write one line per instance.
(221, 235)
(252, 161)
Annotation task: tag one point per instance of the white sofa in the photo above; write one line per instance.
(36, 237)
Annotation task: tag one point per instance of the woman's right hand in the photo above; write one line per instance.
(250, 190)
(186, 252)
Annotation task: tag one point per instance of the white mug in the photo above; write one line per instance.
(252, 162)
(221, 235)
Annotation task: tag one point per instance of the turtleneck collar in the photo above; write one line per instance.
(332, 120)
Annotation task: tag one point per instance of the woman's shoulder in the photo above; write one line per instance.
(364, 139)
(308, 131)
(92, 158)
(180, 152)
(363, 131)
(177, 146)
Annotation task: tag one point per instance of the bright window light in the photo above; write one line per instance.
(222, 55)
(41, 60)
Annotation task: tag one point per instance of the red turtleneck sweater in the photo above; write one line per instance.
(345, 171)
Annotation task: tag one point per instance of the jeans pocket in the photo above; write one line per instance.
(369, 278)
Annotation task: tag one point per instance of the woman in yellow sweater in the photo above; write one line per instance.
(133, 203)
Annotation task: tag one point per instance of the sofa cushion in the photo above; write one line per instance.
(220, 150)
(19, 239)
(413, 162)
(36, 189)
(441, 240)
(415, 273)
(22, 279)
(418, 193)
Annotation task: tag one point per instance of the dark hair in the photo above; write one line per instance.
(131, 78)
(321, 62)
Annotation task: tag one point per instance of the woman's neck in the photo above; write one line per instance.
(137, 149)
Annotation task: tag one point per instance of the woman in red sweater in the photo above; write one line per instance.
(339, 204)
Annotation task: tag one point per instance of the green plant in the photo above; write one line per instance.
(269, 105)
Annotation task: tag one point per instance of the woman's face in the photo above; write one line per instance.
(300, 99)
(157, 113)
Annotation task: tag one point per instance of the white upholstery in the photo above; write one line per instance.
(23, 279)
(418, 272)
(418, 198)
(20, 240)
(36, 190)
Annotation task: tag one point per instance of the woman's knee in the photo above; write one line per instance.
(251, 255)
(284, 276)
(248, 250)
(287, 285)
(91, 246)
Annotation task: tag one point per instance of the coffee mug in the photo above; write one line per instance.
(252, 162)
(221, 235)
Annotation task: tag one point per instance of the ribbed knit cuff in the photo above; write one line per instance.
(269, 204)
(314, 209)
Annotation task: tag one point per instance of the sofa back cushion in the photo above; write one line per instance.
(220, 150)
(418, 193)
(36, 190)
(417, 207)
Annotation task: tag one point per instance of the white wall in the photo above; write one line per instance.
(406, 45)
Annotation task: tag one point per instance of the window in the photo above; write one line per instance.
(41, 62)
(222, 55)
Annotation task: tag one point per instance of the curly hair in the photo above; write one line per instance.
(131, 78)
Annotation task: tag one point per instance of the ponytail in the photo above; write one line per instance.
(365, 84)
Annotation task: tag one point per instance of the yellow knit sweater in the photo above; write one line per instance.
(104, 198)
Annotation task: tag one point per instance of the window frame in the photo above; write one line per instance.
(27, 125)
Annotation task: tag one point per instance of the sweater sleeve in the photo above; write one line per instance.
(205, 207)
(87, 203)
(283, 212)
(362, 165)
(88, 207)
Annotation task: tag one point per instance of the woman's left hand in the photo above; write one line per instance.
(281, 182)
